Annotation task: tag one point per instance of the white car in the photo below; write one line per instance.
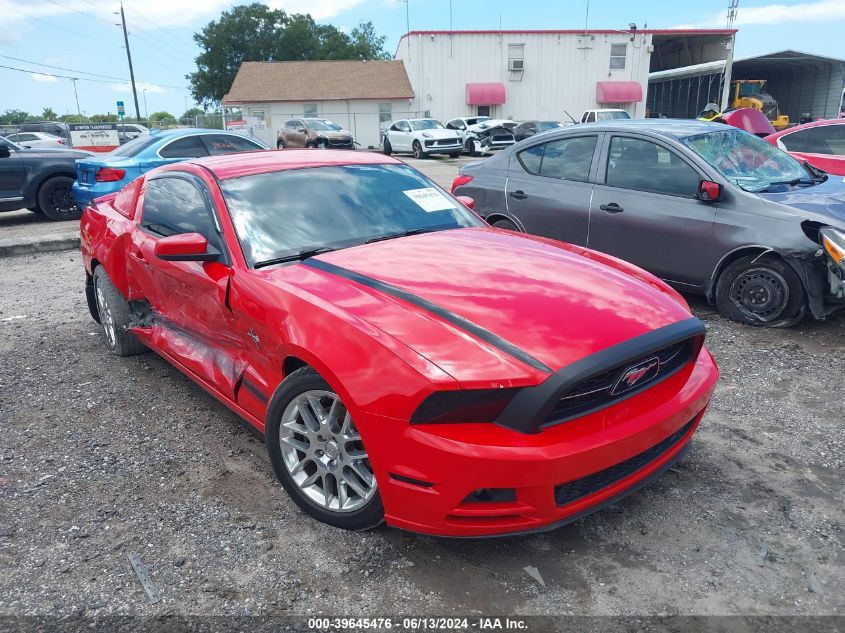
(489, 134)
(421, 137)
(605, 114)
(36, 139)
(462, 123)
(131, 131)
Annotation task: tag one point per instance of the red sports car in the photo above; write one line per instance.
(406, 362)
(821, 143)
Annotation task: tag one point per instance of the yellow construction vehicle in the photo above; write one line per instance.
(748, 93)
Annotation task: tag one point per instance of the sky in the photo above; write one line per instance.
(82, 39)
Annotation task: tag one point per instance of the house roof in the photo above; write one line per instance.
(319, 81)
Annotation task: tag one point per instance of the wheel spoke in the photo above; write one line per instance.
(360, 490)
(318, 408)
(359, 469)
(342, 493)
(308, 417)
(300, 465)
(327, 495)
(310, 480)
(296, 443)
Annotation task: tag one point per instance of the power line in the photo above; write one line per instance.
(143, 39)
(70, 70)
(67, 30)
(101, 81)
(161, 29)
(85, 13)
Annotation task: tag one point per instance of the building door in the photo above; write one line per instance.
(483, 110)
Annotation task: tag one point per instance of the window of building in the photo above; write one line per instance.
(173, 206)
(646, 166)
(310, 109)
(516, 57)
(385, 112)
(483, 111)
(618, 52)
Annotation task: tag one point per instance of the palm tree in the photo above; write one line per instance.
(48, 114)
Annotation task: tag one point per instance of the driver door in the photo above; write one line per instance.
(188, 300)
(400, 136)
(12, 178)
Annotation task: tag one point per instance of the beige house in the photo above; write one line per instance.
(362, 96)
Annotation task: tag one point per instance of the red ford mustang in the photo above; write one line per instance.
(404, 361)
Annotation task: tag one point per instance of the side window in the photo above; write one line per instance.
(228, 144)
(646, 166)
(795, 142)
(591, 117)
(403, 126)
(566, 159)
(825, 139)
(173, 206)
(290, 125)
(618, 52)
(188, 147)
(451, 126)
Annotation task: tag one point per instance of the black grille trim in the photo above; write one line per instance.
(574, 490)
(596, 392)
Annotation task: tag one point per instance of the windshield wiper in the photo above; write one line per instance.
(790, 183)
(393, 236)
(294, 257)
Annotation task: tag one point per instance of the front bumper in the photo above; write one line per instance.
(426, 473)
(432, 147)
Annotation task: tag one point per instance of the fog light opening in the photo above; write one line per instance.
(491, 495)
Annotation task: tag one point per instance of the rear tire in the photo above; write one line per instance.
(114, 316)
(761, 290)
(56, 201)
(34, 209)
(316, 455)
(387, 148)
(506, 225)
(417, 150)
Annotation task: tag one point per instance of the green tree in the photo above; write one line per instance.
(162, 115)
(191, 113)
(103, 118)
(16, 117)
(48, 114)
(254, 32)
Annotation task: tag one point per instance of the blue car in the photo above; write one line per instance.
(100, 175)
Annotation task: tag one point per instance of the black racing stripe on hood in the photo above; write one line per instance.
(465, 324)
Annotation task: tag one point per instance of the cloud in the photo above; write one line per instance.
(818, 11)
(47, 79)
(140, 87)
(319, 9)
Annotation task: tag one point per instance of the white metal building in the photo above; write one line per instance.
(543, 74)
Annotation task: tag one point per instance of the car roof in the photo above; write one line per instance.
(804, 126)
(264, 161)
(671, 128)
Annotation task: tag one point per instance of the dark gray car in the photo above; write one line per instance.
(709, 208)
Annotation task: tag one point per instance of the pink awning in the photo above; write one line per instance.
(618, 92)
(485, 94)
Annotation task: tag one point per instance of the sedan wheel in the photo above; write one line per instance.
(319, 455)
(56, 201)
(418, 152)
(115, 316)
(760, 291)
(322, 144)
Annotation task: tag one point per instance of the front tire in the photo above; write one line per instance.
(322, 144)
(114, 316)
(280, 144)
(318, 454)
(506, 225)
(472, 150)
(417, 150)
(387, 147)
(56, 200)
(762, 291)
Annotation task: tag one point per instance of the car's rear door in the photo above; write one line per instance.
(548, 188)
(228, 144)
(12, 178)
(188, 300)
(646, 210)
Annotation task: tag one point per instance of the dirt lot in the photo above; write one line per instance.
(100, 456)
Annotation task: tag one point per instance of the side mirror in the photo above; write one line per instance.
(4, 151)
(709, 191)
(468, 202)
(186, 247)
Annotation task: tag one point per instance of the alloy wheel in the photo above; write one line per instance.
(61, 201)
(106, 316)
(323, 452)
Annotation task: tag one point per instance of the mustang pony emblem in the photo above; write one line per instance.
(636, 374)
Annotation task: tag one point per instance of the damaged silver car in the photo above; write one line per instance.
(709, 209)
(487, 135)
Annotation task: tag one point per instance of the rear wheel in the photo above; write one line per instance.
(472, 148)
(387, 148)
(56, 201)
(760, 290)
(417, 150)
(34, 209)
(114, 316)
(505, 224)
(318, 454)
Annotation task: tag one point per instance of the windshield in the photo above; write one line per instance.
(746, 160)
(282, 213)
(426, 124)
(323, 125)
(542, 126)
(613, 115)
(134, 146)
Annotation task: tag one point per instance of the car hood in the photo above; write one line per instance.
(826, 201)
(492, 123)
(57, 152)
(332, 133)
(541, 297)
(438, 133)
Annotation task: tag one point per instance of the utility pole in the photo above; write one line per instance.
(733, 5)
(408, 25)
(129, 58)
(74, 80)
(146, 112)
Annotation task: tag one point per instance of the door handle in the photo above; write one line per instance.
(611, 208)
(519, 194)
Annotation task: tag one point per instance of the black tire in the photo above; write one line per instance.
(417, 150)
(280, 144)
(321, 144)
(34, 209)
(387, 148)
(455, 155)
(114, 316)
(56, 201)
(762, 291)
(506, 224)
(297, 383)
(470, 147)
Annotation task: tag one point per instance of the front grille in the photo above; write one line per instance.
(574, 490)
(448, 141)
(595, 392)
(503, 138)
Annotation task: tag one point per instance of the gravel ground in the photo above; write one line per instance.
(100, 456)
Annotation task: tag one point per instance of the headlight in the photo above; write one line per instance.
(426, 134)
(833, 242)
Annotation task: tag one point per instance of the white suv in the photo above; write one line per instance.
(421, 137)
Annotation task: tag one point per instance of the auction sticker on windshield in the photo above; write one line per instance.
(429, 199)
